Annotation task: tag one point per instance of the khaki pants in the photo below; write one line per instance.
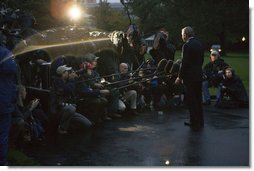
(130, 96)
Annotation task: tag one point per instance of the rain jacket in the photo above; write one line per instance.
(8, 82)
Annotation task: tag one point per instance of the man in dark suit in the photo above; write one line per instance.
(190, 74)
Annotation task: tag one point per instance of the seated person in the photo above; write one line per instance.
(64, 87)
(91, 102)
(128, 94)
(28, 121)
(147, 73)
(212, 73)
(95, 83)
(233, 87)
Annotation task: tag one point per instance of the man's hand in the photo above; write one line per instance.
(73, 76)
(224, 87)
(204, 77)
(98, 85)
(178, 81)
(220, 72)
(34, 104)
(104, 92)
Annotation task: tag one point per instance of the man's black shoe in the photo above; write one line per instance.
(187, 124)
(197, 128)
(194, 128)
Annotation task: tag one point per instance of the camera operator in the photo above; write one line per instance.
(232, 86)
(95, 83)
(92, 101)
(64, 87)
(212, 74)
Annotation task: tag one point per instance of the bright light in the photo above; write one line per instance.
(243, 39)
(167, 162)
(74, 12)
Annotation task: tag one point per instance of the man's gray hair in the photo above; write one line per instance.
(188, 31)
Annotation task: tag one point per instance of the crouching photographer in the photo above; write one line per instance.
(233, 93)
(64, 88)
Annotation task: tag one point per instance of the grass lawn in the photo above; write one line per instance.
(18, 158)
(238, 61)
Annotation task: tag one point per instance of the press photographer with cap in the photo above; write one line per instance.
(95, 83)
(64, 89)
(212, 75)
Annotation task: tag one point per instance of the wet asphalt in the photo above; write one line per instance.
(150, 139)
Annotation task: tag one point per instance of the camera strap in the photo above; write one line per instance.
(5, 59)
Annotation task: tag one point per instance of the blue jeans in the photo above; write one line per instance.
(206, 94)
(5, 123)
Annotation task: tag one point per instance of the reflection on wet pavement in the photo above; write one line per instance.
(147, 140)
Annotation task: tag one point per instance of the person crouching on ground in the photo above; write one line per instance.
(128, 94)
(232, 86)
(65, 88)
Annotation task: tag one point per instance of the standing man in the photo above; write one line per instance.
(8, 97)
(190, 74)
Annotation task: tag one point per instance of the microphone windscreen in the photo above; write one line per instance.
(161, 65)
(175, 68)
(178, 61)
(168, 66)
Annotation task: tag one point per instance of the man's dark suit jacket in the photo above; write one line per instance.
(192, 61)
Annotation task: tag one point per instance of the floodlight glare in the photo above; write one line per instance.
(74, 12)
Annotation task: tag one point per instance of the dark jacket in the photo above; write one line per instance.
(8, 82)
(192, 61)
(211, 70)
(85, 91)
(63, 91)
(235, 88)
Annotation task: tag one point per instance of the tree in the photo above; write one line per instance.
(215, 21)
(108, 19)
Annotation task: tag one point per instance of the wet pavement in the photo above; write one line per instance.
(155, 140)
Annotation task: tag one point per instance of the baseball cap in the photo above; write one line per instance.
(86, 65)
(61, 69)
(90, 57)
(215, 53)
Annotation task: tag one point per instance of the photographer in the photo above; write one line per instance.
(28, 121)
(91, 101)
(64, 87)
(95, 83)
(212, 74)
(232, 86)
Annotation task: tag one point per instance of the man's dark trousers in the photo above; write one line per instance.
(194, 102)
(5, 123)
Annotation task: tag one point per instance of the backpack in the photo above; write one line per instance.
(35, 128)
